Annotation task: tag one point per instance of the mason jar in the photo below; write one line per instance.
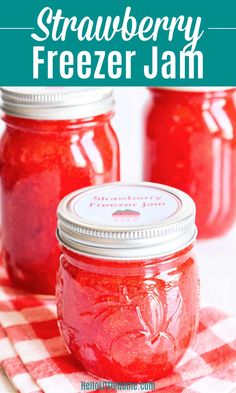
(56, 140)
(190, 143)
(127, 289)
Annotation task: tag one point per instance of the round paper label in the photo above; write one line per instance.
(126, 205)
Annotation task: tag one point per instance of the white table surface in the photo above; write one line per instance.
(217, 268)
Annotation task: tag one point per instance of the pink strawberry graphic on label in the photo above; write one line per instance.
(126, 215)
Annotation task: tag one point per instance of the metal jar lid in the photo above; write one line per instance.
(126, 221)
(56, 103)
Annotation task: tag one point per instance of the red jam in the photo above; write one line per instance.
(190, 143)
(41, 162)
(127, 320)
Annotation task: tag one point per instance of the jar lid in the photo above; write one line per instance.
(126, 221)
(195, 89)
(56, 103)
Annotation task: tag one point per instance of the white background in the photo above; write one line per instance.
(216, 258)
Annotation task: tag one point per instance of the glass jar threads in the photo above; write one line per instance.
(127, 289)
(56, 140)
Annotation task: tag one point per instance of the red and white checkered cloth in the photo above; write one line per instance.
(33, 355)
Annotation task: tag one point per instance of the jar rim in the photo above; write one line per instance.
(56, 103)
(126, 267)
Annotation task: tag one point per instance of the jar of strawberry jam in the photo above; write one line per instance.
(56, 140)
(190, 143)
(127, 290)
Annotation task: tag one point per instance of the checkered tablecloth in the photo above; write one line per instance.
(35, 360)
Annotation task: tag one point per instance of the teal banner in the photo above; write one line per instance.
(112, 43)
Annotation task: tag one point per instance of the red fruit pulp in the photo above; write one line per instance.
(128, 321)
(190, 144)
(41, 162)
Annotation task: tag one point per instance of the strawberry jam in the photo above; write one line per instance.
(190, 143)
(47, 152)
(127, 290)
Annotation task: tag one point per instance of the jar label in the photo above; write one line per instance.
(126, 205)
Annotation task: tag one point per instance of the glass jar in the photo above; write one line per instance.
(190, 143)
(56, 140)
(127, 290)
